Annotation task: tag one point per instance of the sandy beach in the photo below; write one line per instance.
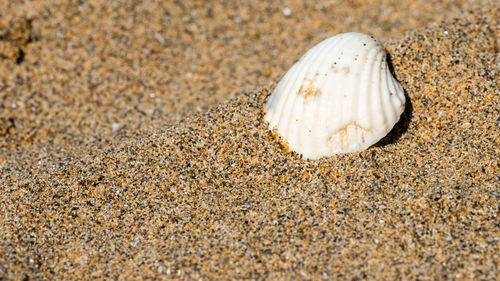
(133, 145)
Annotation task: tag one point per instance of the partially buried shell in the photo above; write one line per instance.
(339, 97)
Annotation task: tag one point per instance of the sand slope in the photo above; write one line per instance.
(217, 197)
(96, 71)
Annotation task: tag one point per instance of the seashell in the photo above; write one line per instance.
(339, 97)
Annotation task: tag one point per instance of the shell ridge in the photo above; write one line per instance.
(343, 110)
(278, 92)
(297, 101)
(349, 94)
(400, 93)
(356, 115)
(340, 101)
(363, 87)
(398, 98)
(303, 124)
(390, 97)
(282, 93)
(318, 120)
(285, 86)
(366, 90)
(378, 64)
(339, 97)
(286, 90)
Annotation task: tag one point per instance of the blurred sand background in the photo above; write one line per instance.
(112, 167)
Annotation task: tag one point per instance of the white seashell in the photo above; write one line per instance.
(339, 97)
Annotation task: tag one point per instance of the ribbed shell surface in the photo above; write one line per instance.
(339, 97)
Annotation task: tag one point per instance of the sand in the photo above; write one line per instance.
(96, 71)
(214, 196)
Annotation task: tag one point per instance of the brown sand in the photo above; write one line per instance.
(94, 71)
(216, 197)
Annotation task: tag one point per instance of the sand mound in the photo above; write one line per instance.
(77, 72)
(217, 197)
